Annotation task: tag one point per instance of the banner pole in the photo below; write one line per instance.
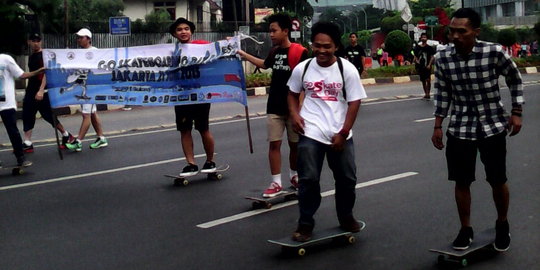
(55, 123)
(249, 131)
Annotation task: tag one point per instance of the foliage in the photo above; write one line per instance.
(529, 61)
(425, 8)
(397, 42)
(258, 79)
(391, 71)
(389, 24)
(157, 21)
(524, 34)
(488, 32)
(11, 20)
(537, 29)
(507, 37)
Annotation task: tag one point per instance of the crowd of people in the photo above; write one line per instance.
(316, 101)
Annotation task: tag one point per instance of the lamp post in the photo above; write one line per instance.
(347, 13)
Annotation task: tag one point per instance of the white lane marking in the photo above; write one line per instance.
(247, 214)
(424, 120)
(72, 177)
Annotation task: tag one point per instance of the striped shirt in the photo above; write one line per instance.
(469, 86)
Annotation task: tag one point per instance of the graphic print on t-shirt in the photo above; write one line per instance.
(281, 62)
(2, 92)
(325, 91)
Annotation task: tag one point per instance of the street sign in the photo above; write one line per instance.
(296, 25)
(295, 34)
(119, 26)
(432, 20)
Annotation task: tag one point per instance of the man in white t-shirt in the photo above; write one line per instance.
(89, 111)
(333, 92)
(8, 105)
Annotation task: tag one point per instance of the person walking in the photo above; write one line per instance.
(36, 98)
(355, 53)
(423, 60)
(283, 57)
(333, 93)
(9, 70)
(88, 111)
(466, 81)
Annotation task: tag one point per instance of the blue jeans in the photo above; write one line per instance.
(311, 155)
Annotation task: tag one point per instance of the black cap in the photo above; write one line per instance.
(34, 36)
(173, 26)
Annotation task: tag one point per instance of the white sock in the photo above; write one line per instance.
(102, 137)
(277, 179)
(27, 142)
(292, 173)
(65, 134)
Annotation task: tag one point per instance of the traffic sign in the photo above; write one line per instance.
(296, 25)
(119, 26)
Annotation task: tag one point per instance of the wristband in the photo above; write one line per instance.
(344, 133)
(437, 127)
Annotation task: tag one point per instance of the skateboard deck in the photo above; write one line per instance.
(299, 248)
(482, 240)
(183, 180)
(261, 202)
(15, 170)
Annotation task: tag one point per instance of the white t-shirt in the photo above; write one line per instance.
(324, 108)
(8, 71)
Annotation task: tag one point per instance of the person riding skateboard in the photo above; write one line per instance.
(194, 114)
(283, 57)
(466, 80)
(333, 93)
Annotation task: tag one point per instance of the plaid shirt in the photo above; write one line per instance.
(470, 87)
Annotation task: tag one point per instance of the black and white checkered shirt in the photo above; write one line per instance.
(470, 87)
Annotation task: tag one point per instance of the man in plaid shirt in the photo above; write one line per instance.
(466, 80)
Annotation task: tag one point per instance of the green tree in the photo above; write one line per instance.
(157, 21)
(488, 32)
(397, 42)
(537, 28)
(423, 8)
(11, 20)
(391, 23)
(507, 37)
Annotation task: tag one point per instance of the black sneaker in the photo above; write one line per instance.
(303, 233)
(28, 148)
(208, 167)
(502, 236)
(190, 170)
(349, 224)
(464, 239)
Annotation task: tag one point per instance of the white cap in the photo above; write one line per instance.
(84, 32)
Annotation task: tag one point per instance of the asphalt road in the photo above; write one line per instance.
(112, 208)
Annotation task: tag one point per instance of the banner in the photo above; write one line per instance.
(156, 75)
(399, 5)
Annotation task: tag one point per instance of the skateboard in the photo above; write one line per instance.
(183, 180)
(482, 241)
(288, 194)
(289, 246)
(15, 170)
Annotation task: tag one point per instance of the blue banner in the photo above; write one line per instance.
(158, 75)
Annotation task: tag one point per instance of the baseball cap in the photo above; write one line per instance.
(84, 32)
(173, 26)
(34, 36)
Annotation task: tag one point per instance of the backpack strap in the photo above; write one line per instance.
(340, 66)
(295, 54)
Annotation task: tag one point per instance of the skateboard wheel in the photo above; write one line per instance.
(267, 205)
(301, 252)
(219, 176)
(351, 239)
(185, 182)
(17, 171)
(464, 262)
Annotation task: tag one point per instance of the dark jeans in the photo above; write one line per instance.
(311, 155)
(9, 118)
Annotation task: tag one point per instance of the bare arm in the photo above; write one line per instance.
(338, 140)
(41, 91)
(437, 137)
(293, 100)
(258, 62)
(27, 75)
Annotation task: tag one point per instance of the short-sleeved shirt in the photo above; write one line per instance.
(354, 54)
(35, 62)
(424, 54)
(8, 71)
(277, 59)
(324, 108)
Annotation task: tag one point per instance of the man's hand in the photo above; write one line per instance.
(298, 123)
(437, 138)
(39, 96)
(514, 125)
(338, 142)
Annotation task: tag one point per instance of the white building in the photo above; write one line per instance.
(505, 13)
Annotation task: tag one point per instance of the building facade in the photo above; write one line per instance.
(505, 13)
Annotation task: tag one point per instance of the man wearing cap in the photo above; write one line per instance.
(9, 70)
(37, 99)
(89, 112)
(188, 115)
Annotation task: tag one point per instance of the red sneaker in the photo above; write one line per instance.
(273, 190)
